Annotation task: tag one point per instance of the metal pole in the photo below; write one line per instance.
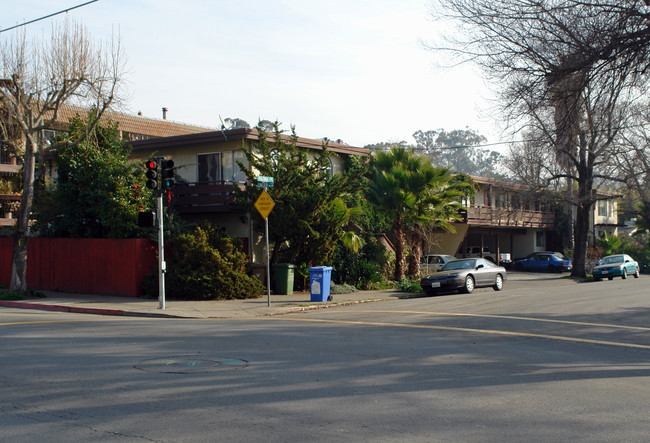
(161, 255)
(268, 264)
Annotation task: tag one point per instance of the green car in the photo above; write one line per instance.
(619, 265)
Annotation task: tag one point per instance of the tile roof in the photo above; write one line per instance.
(133, 124)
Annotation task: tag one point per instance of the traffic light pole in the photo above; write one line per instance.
(162, 266)
(166, 180)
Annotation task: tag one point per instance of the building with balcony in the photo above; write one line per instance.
(130, 127)
(207, 172)
(502, 220)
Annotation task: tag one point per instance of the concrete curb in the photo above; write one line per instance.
(80, 310)
(60, 308)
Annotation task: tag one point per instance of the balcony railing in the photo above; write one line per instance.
(490, 216)
(193, 198)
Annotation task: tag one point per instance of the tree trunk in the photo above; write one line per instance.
(583, 213)
(18, 281)
(581, 236)
(415, 253)
(398, 231)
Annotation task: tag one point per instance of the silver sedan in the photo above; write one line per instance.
(465, 275)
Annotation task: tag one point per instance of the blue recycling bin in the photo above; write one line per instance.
(319, 283)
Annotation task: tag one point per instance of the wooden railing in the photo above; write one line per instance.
(192, 198)
(490, 216)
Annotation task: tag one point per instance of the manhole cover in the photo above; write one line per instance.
(189, 365)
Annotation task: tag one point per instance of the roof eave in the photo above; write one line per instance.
(156, 144)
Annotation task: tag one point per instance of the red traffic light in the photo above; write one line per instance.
(151, 174)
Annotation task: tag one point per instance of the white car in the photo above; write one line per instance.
(434, 262)
(475, 252)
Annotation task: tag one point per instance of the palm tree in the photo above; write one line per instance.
(412, 193)
(438, 207)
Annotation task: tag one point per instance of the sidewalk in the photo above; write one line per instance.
(280, 304)
(141, 307)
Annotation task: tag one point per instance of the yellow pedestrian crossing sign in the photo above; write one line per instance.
(264, 204)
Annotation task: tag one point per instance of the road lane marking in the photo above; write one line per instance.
(471, 330)
(510, 317)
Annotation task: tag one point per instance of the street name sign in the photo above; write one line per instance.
(264, 181)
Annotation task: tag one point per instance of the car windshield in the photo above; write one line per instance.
(612, 259)
(459, 264)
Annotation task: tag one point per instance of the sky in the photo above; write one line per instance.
(354, 70)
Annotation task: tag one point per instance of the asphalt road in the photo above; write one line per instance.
(542, 360)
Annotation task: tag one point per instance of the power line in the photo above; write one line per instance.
(48, 16)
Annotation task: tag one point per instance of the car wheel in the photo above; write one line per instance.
(519, 267)
(498, 283)
(610, 278)
(469, 284)
(551, 268)
(636, 273)
(598, 279)
(624, 276)
(430, 292)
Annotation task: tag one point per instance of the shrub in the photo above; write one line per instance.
(364, 270)
(408, 285)
(207, 265)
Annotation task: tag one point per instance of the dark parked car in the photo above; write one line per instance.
(619, 265)
(544, 261)
(465, 275)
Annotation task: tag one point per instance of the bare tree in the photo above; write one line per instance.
(37, 79)
(567, 70)
(632, 164)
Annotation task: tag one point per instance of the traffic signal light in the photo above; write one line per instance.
(152, 174)
(167, 173)
(146, 219)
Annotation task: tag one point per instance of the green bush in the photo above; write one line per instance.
(207, 265)
(363, 270)
(637, 247)
(11, 296)
(408, 285)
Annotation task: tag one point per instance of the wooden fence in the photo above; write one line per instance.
(93, 266)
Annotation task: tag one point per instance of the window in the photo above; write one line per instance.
(48, 136)
(229, 168)
(540, 240)
(602, 208)
(209, 167)
(220, 166)
(501, 200)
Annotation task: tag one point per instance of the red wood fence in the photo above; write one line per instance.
(93, 266)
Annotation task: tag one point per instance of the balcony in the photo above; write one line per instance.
(205, 198)
(504, 217)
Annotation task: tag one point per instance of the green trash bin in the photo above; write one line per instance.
(284, 278)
